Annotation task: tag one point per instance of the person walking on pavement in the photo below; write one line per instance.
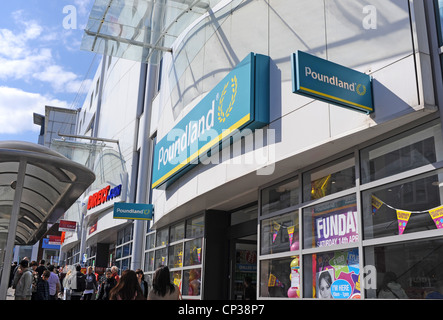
(41, 268)
(77, 293)
(114, 270)
(91, 284)
(53, 282)
(43, 286)
(23, 284)
(106, 286)
(162, 288)
(141, 281)
(127, 288)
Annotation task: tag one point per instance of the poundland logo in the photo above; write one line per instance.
(330, 82)
(240, 101)
(359, 89)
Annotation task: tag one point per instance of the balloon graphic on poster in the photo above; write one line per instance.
(294, 291)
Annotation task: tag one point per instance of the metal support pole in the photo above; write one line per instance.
(12, 229)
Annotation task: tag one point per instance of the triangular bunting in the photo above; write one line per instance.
(376, 204)
(437, 216)
(403, 218)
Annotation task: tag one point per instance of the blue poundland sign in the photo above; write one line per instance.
(137, 211)
(331, 82)
(239, 101)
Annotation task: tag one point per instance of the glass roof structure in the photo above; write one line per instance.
(139, 30)
(37, 185)
(52, 183)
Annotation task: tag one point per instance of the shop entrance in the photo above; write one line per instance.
(243, 268)
(243, 253)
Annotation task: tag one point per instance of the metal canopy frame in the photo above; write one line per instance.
(37, 185)
(140, 30)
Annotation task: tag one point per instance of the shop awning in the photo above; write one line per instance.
(52, 183)
(139, 30)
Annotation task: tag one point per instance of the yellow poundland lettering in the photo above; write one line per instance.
(203, 149)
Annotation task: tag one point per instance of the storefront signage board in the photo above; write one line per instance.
(330, 82)
(48, 243)
(137, 211)
(67, 226)
(239, 101)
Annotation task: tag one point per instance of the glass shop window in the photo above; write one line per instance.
(406, 206)
(331, 223)
(409, 270)
(332, 275)
(280, 196)
(280, 277)
(280, 234)
(401, 153)
(328, 179)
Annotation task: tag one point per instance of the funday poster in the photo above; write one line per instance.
(336, 224)
(337, 275)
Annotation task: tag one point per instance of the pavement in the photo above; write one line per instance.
(10, 294)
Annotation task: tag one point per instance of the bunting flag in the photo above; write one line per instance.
(376, 204)
(403, 218)
(291, 234)
(437, 216)
(276, 229)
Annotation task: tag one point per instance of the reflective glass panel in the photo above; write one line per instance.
(332, 275)
(331, 223)
(280, 196)
(280, 234)
(329, 179)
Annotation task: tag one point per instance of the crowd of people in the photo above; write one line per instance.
(41, 281)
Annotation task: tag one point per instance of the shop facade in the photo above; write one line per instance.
(306, 199)
(319, 217)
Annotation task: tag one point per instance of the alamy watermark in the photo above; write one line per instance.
(70, 20)
(370, 19)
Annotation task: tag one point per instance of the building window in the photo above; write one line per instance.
(180, 247)
(123, 250)
(408, 270)
(401, 153)
(332, 275)
(280, 234)
(402, 207)
(331, 223)
(280, 196)
(329, 179)
(378, 208)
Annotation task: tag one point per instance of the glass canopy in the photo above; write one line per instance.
(37, 185)
(140, 30)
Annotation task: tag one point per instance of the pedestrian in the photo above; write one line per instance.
(80, 280)
(141, 281)
(41, 268)
(106, 286)
(162, 288)
(23, 284)
(114, 270)
(35, 279)
(91, 284)
(54, 283)
(43, 286)
(12, 272)
(127, 288)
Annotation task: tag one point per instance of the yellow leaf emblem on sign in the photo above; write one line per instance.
(224, 114)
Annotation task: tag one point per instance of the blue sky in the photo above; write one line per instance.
(41, 62)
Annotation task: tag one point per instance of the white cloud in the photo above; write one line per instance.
(27, 54)
(18, 106)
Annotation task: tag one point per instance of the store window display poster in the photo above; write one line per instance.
(336, 275)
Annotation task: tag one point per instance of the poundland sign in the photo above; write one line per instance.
(240, 100)
(331, 82)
